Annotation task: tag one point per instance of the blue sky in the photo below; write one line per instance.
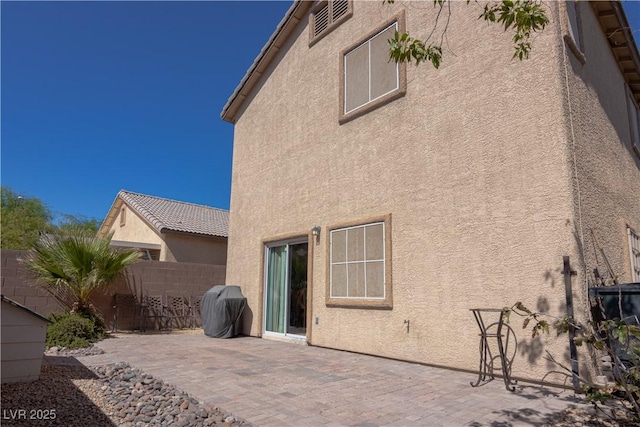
(102, 96)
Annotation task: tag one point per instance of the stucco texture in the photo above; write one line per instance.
(606, 174)
(200, 249)
(472, 164)
(134, 229)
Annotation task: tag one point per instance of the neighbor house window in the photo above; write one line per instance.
(369, 78)
(634, 252)
(359, 270)
(123, 216)
(634, 121)
(150, 254)
(326, 16)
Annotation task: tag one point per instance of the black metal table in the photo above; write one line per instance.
(506, 344)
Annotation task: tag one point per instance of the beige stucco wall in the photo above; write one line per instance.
(135, 229)
(175, 247)
(607, 170)
(473, 164)
(22, 346)
(191, 248)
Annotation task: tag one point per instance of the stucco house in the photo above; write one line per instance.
(168, 230)
(374, 204)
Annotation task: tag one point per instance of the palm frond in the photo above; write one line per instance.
(73, 264)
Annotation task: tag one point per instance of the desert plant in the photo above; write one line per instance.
(615, 337)
(72, 264)
(73, 330)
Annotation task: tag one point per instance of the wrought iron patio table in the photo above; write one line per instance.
(506, 343)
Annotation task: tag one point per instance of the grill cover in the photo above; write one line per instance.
(221, 309)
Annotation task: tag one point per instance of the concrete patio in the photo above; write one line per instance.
(271, 383)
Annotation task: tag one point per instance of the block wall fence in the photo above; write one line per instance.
(141, 278)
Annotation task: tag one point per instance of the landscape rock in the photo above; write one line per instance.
(115, 394)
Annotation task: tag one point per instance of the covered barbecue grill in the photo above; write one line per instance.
(221, 309)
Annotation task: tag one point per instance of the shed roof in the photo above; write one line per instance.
(22, 307)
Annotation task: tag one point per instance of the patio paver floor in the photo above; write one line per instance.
(271, 383)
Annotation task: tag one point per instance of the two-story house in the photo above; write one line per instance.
(374, 204)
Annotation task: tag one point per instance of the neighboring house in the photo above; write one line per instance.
(168, 230)
(23, 336)
(374, 204)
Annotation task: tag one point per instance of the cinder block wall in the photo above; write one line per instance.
(142, 278)
(17, 286)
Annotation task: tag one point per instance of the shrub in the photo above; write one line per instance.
(74, 330)
(613, 337)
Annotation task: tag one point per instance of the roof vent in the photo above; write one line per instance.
(321, 21)
(340, 8)
(326, 16)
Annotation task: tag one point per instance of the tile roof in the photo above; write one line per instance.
(165, 214)
(276, 42)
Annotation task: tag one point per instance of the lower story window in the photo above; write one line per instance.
(359, 264)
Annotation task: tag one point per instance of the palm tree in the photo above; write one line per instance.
(72, 264)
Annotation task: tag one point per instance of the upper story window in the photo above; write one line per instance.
(634, 121)
(326, 16)
(369, 78)
(572, 20)
(574, 38)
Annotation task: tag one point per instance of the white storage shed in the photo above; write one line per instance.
(21, 343)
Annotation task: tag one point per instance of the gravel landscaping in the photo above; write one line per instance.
(109, 395)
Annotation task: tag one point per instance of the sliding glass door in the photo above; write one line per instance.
(285, 304)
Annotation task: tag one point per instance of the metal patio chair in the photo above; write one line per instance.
(155, 310)
(177, 311)
(126, 307)
(195, 315)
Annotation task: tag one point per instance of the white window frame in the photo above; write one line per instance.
(344, 59)
(634, 255)
(364, 261)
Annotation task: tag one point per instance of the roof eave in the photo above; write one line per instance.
(111, 216)
(266, 56)
(167, 230)
(621, 41)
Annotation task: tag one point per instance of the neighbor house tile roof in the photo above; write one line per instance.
(171, 215)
